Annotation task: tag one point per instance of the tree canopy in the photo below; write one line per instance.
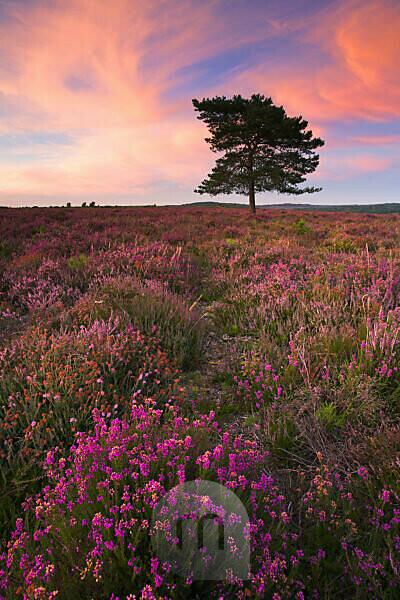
(263, 148)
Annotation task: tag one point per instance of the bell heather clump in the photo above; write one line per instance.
(50, 382)
(90, 526)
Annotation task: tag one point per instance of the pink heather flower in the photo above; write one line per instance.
(225, 438)
(115, 452)
(204, 460)
(109, 545)
(237, 443)
(218, 452)
(49, 460)
(181, 473)
(154, 562)
(285, 517)
(147, 593)
(144, 469)
(363, 473)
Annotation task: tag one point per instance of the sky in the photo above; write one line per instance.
(95, 95)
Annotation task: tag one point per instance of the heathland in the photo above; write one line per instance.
(145, 347)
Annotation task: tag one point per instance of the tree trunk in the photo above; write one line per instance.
(252, 198)
(252, 192)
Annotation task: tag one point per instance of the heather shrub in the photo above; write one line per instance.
(51, 381)
(343, 355)
(36, 291)
(161, 262)
(258, 383)
(90, 533)
(152, 309)
(123, 470)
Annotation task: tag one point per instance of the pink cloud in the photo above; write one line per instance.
(359, 73)
(101, 71)
(339, 168)
(375, 140)
(77, 67)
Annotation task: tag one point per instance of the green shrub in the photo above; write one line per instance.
(301, 228)
(5, 250)
(329, 417)
(77, 263)
(231, 241)
(345, 245)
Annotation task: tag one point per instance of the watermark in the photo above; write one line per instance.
(201, 528)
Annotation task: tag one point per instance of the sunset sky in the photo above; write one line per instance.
(95, 95)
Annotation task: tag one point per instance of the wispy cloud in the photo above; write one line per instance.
(116, 78)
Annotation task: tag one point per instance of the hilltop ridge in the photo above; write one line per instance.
(387, 207)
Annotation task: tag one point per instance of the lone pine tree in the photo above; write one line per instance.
(263, 149)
